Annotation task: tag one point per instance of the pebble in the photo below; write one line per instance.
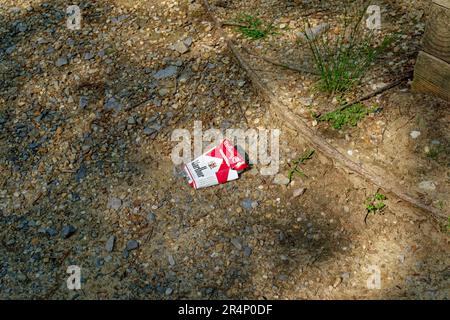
(188, 41)
(99, 261)
(249, 204)
(414, 134)
(132, 245)
(110, 243)
(237, 243)
(247, 251)
(61, 61)
(180, 47)
(152, 129)
(50, 231)
(114, 203)
(306, 101)
(166, 73)
(298, 192)
(427, 185)
(168, 291)
(67, 231)
(113, 104)
(88, 55)
(171, 260)
(83, 102)
(281, 179)
(151, 217)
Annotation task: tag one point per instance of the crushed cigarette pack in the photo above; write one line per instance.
(219, 165)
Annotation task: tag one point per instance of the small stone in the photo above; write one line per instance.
(81, 173)
(114, 203)
(171, 260)
(50, 232)
(240, 83)
(306, 101)
(168, 291)
(414, 134)
(163, 92)
(21, 27)
(298, 192)
(180, 47)
(249, 204)
(281, 179)
(166, 73)
(10, 50)
(151, 217)
(345, 276)
(337, 282)
(427, 185)
(132, 245)
(247, 251)
(61, 61)
(188, 41)
(131, 120)
(83, 102)
(88, 55)
(110, 243)
(152, 129)
(113, 104)
(184, 77)
(435, 142)
(67, 231)
(99, 261)
(237, 243)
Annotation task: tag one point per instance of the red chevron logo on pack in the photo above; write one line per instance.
(219, 165)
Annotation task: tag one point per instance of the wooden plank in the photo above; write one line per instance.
(443, 3)
(432, 76)
(436, 40)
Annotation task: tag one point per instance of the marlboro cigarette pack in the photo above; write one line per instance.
(219, 165)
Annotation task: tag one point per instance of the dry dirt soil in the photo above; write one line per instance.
(86, 118)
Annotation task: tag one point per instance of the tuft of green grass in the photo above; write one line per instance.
(295, 170)
(342, 59)
(375, 203)
(434, 152)
(348, 116)
(256, 28)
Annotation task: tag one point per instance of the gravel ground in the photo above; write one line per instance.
(86, 175)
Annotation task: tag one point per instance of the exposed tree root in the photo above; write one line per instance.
(384, 180)
(281, 64)
(377, 92)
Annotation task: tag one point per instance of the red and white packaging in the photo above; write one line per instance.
(219, 165)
